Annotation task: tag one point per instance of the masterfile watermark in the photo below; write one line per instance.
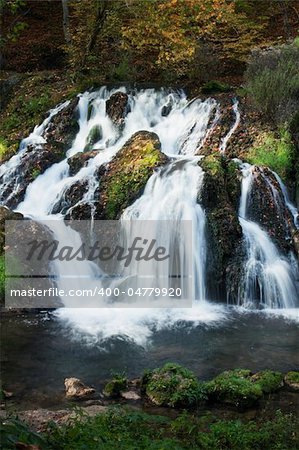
(140, 250)
(56, 263)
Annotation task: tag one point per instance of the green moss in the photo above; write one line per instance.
(215, 86)
(212, 164)
(94, 136)
(129, 178)
(293, 377)
(268, 380)
(115, 386)
(234, 387)
(35, 173)
(173, 385)
(275, 153)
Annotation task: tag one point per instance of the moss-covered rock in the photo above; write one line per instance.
(239, 387)
(268, 380)
(115, 386)
(292, 380)
(127, 174)
(220, 197)
(234, 387)
(93, 137)
(173, 385)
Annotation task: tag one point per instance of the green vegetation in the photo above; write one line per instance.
(173, 385)
(130, 171)
(293, 377)
(240, 388)
(35, 173)
(235, 387)
(3, 149)
(123, 429)
(115, 386)
(274, 152)
(268, 380)
(214, 87)
(273, 82)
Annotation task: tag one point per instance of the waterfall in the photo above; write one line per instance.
(235, 125)
(268, 279)
(171, 194)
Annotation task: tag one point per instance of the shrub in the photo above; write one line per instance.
(273, 152)
(114, 387)
(272, 80)
(173, 385)
(215, 86)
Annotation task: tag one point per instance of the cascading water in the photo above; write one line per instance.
(226, 138)
(268, 279)
(170, 194)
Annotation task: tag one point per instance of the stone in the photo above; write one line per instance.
(130, 395)
(117, 108)
(80, 160)
(291, 380)
(75, 389)
(125, 177)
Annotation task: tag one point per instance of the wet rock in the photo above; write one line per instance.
(6, 214)
(71, 197)
(126, 175)
(64, 125)
(59, 135)
(291, 380)
(166, 109)
(80, 160)
(93, 137)
(117, 108)
(82, 211)
(75, 389)
(266, 206)
(219, 197)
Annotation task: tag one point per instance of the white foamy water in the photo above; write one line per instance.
(226, 138)
(170, 194)
(268, 279)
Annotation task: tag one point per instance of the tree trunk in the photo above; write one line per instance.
(66, 22)
(98, 23)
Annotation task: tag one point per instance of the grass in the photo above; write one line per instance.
(274, 152)
(123, 429)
